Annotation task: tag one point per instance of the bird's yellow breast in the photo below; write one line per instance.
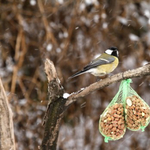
(105, 69)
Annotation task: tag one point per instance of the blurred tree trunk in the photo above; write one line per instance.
(7, 140)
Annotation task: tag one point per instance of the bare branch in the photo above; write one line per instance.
(50, 35)
(20, 44)
(142, 71)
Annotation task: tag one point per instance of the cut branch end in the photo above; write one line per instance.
(50, 70)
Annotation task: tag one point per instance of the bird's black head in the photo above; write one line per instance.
(112, 51)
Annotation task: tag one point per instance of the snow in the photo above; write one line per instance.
(49, 47)
(123, 20)
(96, 18)
(61, 35)
(65, 34)
(133, 37)
(32, 2)
(82, 6)
(89, 2)
(86, 20)
(105, 25)
(29, 134)
(60, 1)
(103, 15)
(10, 64)
(22, 101)
(62, 45)
(147, 13)
(58, 50)
(66, 95)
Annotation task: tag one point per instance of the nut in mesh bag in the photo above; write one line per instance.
(112, 122)
(137, 113)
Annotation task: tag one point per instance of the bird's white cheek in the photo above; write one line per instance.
(108, 51)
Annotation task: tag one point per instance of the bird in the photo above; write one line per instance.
(103, 65)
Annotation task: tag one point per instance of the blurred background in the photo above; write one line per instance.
(71, 33)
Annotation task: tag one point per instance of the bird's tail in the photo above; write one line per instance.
(77, 74)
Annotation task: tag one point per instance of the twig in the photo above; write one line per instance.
(19, 55)
(15, 70)
(33, 80)
(24, 91)
(68, 39)
(49, 33)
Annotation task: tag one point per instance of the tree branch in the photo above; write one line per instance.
(142, 71)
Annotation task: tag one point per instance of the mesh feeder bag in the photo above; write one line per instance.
(112, 121)
(137, 111)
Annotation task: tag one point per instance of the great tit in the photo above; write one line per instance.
(102, 65)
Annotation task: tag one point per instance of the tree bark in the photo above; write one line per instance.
(7, 140)
(58, 104)
(55, 109)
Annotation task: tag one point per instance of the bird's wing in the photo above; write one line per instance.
(99, 61)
